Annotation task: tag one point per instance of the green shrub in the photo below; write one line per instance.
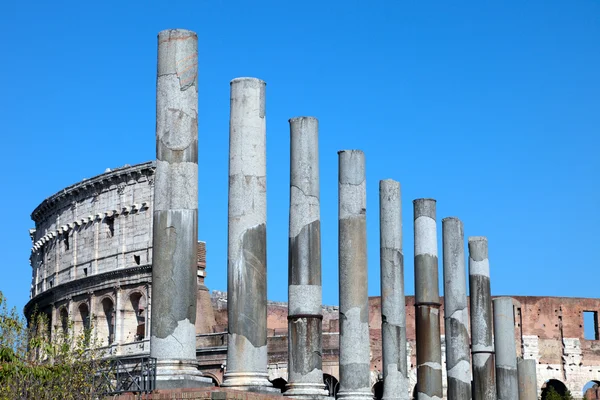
(36, 365)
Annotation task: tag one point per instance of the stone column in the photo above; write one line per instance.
(172, 338)
(458, 352)
(393, 312)
(482, 348)
(354, 302)
(305, 370)
(427, 302)
(507, 381)
(527, 379)
(247, 238)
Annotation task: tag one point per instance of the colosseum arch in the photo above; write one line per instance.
(134, 316)
(593, 387)
(81, 321)
(106, 324)
(553, 383)
(63, 316)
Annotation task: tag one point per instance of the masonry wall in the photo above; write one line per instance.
(547, 329)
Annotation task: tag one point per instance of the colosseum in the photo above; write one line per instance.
(91, 263)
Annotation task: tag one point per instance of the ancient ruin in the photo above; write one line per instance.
(119, 253)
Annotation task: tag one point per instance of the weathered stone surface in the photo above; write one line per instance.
(247, 238)
(305, 370)
(458, 357)
(507, 382)
(482, 348)
(427, 301)
(354, 309)
(175, 226)
(393, 315)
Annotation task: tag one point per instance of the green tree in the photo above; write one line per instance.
(37, 365)
(552, 394)
(567, 395)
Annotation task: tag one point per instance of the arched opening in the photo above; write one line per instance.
(135, 316)
(331, 384)
(109, 312)
(591, 390)
(377, 390)
(214, 378)
(84, 315)
(83, 323)
(279, 383)
(551, 387)
(64, 320)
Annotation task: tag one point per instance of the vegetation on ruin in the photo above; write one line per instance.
(552, 394)
(34, 365)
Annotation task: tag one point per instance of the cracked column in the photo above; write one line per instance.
(427, 302)
(305, 373)
(458, 352)
(393, 312)
(247, 239)
(507, 381)
(175, 230)
(527, 379)
(482, 348)
(354, 302)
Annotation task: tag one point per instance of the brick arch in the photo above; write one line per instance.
(332, 384)
(214, 378)
(377, 390)
(591, 390)
(557, 385)
(134, 315)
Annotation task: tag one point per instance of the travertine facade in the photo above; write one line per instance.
(91, 255)
(91, 261)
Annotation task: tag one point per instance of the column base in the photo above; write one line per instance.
(309, 391)
(176, 374)
(249, 382)
(347, 395)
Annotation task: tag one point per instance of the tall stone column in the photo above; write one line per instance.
(175, 225)
(247, 238)
(393, 312)
(527, 379)
(427, 302)
(507, 381)
(482, 348)
(354, 302)
(305, 370)
(458, 352)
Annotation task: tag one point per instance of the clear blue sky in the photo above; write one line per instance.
(492, 108)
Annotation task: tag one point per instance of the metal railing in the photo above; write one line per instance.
(126, 375)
